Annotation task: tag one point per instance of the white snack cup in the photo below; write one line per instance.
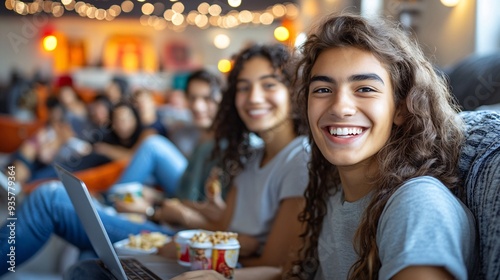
(225, 257)
(126, 191)
(200, 255)
(182, 242)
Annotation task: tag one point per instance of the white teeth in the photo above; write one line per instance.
(257, 112)
(345, 131)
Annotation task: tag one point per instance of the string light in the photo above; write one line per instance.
(204, 16)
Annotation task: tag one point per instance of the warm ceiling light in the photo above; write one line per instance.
(178, 7)
(245, 16)
(279, 10)
(214, 10)
(177, 19)
(292, 11)
(224, 65)
(266, 18)
(100, 14)
(281, 33)
(450, 3)
(214, 20)
(256, 18)
(49, 43)
(147, 8)
(168, 14)
(234, 3)
(203, 8)
(114, 10)
(222, 41)
(127, 6)
(57, 11)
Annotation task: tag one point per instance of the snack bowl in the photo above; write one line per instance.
(123, 247)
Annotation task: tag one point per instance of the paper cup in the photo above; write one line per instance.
(126, 191)
(182, 242)
(200, 255)
(225, 257)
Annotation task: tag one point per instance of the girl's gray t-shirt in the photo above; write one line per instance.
(261, 189)
(423, 223)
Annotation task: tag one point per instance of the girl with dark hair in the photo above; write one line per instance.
(266, 183)
(385, 141)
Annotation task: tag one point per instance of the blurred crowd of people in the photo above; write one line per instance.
(80, 133)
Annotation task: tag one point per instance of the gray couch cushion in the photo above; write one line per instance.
(475, 80)
(479, 166)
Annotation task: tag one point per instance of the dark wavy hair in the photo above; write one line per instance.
(427, 143)
(215, 82)
(228, 126)
(128, 143)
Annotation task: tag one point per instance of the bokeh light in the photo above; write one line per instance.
(281, 33)
(49, 43)
(224, 65)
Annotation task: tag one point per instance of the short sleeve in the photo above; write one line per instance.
(423, 223)
(296, 175)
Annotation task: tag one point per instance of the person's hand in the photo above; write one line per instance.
(168, 250)
(200, 275)
(213, 188)
(138, 205)
(101, 148)
(171, 211)
(249, 245)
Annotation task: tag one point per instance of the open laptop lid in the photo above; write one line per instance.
(91, 221)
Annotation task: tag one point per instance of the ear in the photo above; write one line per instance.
(400, 113)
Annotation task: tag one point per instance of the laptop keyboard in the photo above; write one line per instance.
(135, 270)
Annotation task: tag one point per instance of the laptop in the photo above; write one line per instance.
(138, 267)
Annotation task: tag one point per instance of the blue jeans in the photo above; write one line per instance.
(158, 158)
(48, 210)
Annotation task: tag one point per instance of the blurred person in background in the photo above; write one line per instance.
(145, 103)
(118, 89)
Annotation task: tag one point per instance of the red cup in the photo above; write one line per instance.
(225, 257)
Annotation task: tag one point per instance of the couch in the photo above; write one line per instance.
(479, 166)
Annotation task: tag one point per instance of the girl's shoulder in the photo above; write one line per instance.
(421, 189)
(424, 195)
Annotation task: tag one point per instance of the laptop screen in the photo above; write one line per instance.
(82, 201)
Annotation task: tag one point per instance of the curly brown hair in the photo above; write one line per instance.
(229, 127)
(427, 143)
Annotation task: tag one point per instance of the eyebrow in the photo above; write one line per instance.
(274, 76)
(353, 78)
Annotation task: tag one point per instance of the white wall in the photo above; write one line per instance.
(488, 26)
(20, 44)
(448, 33)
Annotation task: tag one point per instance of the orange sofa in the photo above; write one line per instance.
(97, 179)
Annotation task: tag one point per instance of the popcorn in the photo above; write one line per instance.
(147, 240)
(215, 238)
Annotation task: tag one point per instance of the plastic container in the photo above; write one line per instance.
(182, 242)
(200, 255)
(225, 257)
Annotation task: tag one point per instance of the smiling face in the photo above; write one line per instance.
(351, 106)
(262, 100)
(201, 103)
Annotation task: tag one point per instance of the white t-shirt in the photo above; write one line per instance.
(423, 223)
(260, 190)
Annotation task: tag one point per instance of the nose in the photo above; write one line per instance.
(342, 104)
(256, 95)
(198, 105)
